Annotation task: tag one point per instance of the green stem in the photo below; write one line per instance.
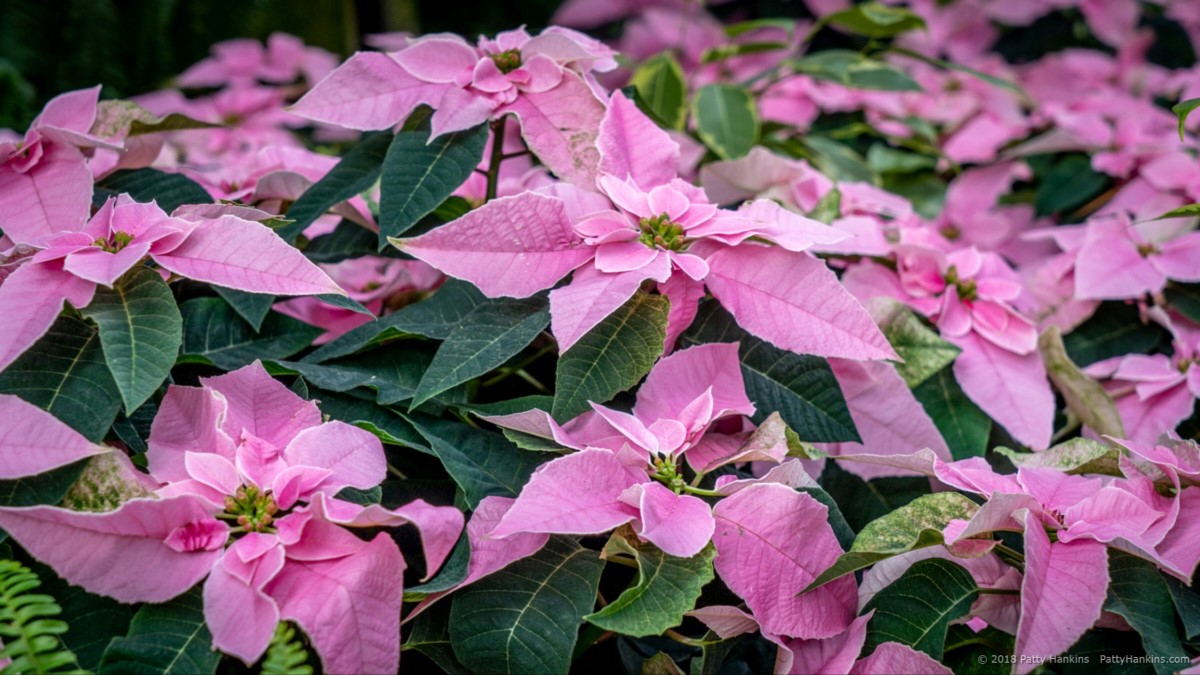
(493, 171)
(701, 492)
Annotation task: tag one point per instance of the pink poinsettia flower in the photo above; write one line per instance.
(248, 473)
(646, 224)
(45, 183)
(544, 80)
(969, 295)
(626, 468)
(246, 62)
(1118, 259)
(226, 251)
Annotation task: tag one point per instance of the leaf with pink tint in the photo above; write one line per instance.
(33, 441)
(349, 606)
(247, 256)
(894, 658)
(369, 91)
(512, 246)
(30, 300)
(632, 146)
(489, 554)
(685, 295)
(576, 494)
(886, 414)
(724, 620)
(240, 616)
(355, 456)
(1061, 595)
(261, 405)
(680, 525)
(149, 550)
(794, 301)
(831, 655)
(188, 420)
(591, 296)
(1011, 389)
(771, 543)
(1179, 551)
(679, 379)
(53, 196)
(560, 126)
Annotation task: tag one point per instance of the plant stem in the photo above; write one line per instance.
(493, 171)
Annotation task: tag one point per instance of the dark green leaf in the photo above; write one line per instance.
(1187, 604)
(875, 20)
(352, 176)
(964, 426)
(1066, 184)
(430, 635)
(165, 639)
(1182, 110)
(344, 302)
(726, 119)
(837, 160)
(661, 84)
(916, 609)
(1114, 330)
(863, 501)
(1138, 593)
(418, 175)
(481, 462)
(213, 331)
(490, 335)
(802, 388)
(525, 618)
(509, 407)
(389, 426)
(94, 619)
(392, 373)
(140, 332)
(852, 69)
(611, 357)
(44, 488)
(1185, 298)
(252, 307)
(837, 522)
(64, 372)
(453, 572)
(170, 190)
(348, 240)
(666, 587)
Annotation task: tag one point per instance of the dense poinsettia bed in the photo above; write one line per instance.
(855, 343)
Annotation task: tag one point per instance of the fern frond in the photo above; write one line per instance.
(28, 631)
(286, 655)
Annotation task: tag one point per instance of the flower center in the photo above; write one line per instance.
(660, 232)
(1184, 364)
(951, 232)
(1146, 250)
(507, 61)
(253, 509)
(967, 290)
(667, 473)
(114, 243)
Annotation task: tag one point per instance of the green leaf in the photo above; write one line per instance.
(1084, 396)
(114, 117)
(916, 609)
(286, 654)
(666, 587)
(1115, 329)
(1076, 456)
(392, 374)
(170, 190)
(964, 426)
(64, 373)
(213, 332)
(915, 525)
(661, 84)
(1182, 110)
(923, 350)
(252, 307)
(44, 488)
(352, 176)
(802, 388)
(886, 159)
(140, 332)
(837, 522)
(863, 501)
(838, 160)
(388, 425)
(105, 484)
(490, 335)
(1187, 604)
(348, 240)
(165, 639)
(875, 20)
(1185, 211)
(344, 302)
(94, 619)
(434, 318)
(851, 69)
(611, 357)
(1066, 184)
(452, 573)
(525, 618)
(418, 175)
(1185, 298)
(430, 635)
(1138, 593)
(726, 119)
(481, 462)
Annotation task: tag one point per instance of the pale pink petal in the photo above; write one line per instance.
(293, 483)
(590, 297)
(54, 196)
(685, 295)
(33, 441)
(1146, 420)
(439, 526)
(1109, 265)
(893, 658)
(833, 655)
(73, 110)
(1061, 595)
(188, 420)
(30, 300)
(1011, 389)
(263, 406)
(632, 146)
(512, 246)
(724, 620)
(148, 550)
(680, 525)
(349, 606)
(490, 554)
(682, 377)
(1180, 258)
(213, 470)
(247, 256)
(772, 541)
(459, 110)
(1108, 514)
(437, 58)
(576, 494)
(795, 302)
(624, 256)
(560, 126)
(1180, 549)
(240, 616)
(353, 455)
(101, 267)
(766, 219)
(369, 91)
